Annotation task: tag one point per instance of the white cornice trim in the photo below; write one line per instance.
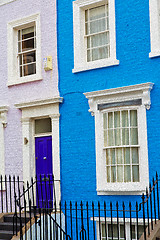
(40, 102)
(119, 94)
(4, 109)
(3, 2)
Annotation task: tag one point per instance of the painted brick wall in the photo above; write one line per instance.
(46, 88)
(77, 130)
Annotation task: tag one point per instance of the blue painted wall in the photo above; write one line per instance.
(77, 129)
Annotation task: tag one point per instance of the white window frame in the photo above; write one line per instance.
(13, 62)
(116, 95)
(154, 10)
(3, 2)
(80, 52)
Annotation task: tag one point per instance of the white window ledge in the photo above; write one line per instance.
(96, 64)
(154, 54)
(29, 78)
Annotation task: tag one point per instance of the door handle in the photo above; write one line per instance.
(44, 158)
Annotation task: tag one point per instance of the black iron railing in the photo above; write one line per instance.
(9, 187)
(83, 220)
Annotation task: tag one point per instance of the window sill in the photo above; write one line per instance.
(154, 54)
(122, 189)
(26, 79)
(96, 64)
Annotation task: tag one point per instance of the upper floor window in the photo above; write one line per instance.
(27, 51)
(24, 50)
(94, 34)
(97, 33)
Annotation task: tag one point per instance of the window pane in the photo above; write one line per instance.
(126, 155)
(110, 120)
(124, 118)
(43, 125)
(125, 136)
(108, 157)
(113, 174)
(100, 40)
(119, 156)
(97, 12)
(105, 121)
(122, 231)
(19, 47)
(108, 174)
(134, 136)
(87, 28)
(110, 138)
(133, 232)
(116, 119)
(21, 72)
(98, 26)
(29, 57)
(103, 52)
(119, 173)
(135, 155)
(88, 56)
(105, 138)
(27, 33)
(133, 118)
(28, 45)
(135, 172)
(115, 235)
(88, 42)
(29, 69)
(86, 15)
(117, 135)
(127, 174)
(95, 54)
(113, 160)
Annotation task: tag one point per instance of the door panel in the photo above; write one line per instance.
(45, 185)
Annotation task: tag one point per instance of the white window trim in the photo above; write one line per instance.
(154, 28)
(40, 109)
(13, 66)
(80, 63)
(140, 91)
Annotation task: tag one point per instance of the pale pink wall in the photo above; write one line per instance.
(46, 88)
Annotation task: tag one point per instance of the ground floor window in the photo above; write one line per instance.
(120, 231)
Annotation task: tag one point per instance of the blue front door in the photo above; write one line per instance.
(43, 153)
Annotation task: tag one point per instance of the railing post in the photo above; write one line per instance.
(144, 227)
(157, 196)
(124, 221)
(148, 211)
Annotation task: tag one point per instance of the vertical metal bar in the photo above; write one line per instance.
(30, 219)
(144, 227)
(20, 222)
(148, 212)
(124, 220)
(99, 216)
(10, 191)
(16, 212)
(65, 217)
(40, 223)
(2, 192)
(50, 192)
(25, 218)
(32, 190)
(87, 219)
(37, 191)
(28, 191)
(14, 186)
(105, 220)
(157, 196)
(130, 220)
(41, 189)
(151, 205)
(71, 219)
(60, 220)
(35, 225)
(137, 220)
(93, 221)
(45, 186)
(6, 193)
(76, 221)
(111, 219)
(154, 200)
(117, 220)
(82, 225)
(43, 226)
